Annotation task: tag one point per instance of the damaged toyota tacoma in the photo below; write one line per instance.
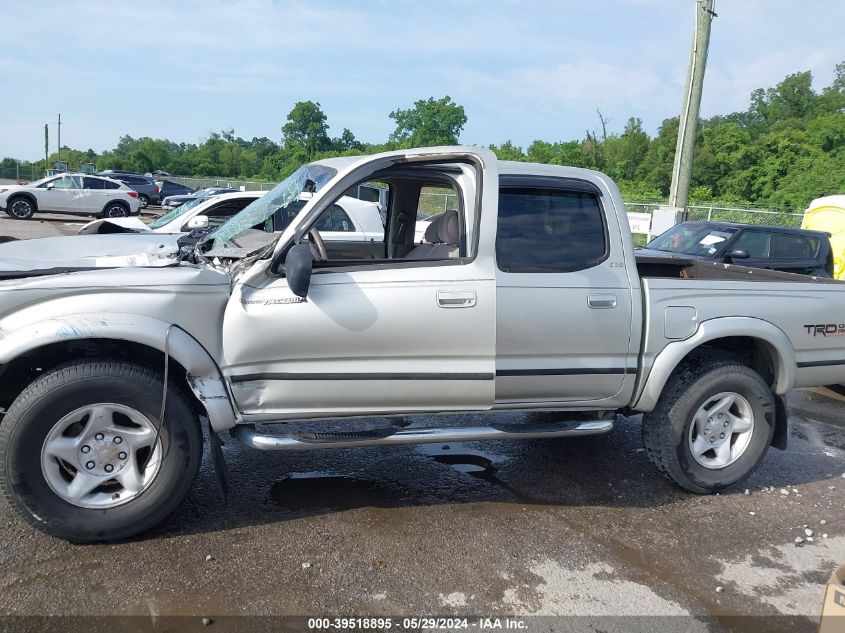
(526, 295)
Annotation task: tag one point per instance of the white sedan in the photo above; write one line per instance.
(349, 220)
(79, 194)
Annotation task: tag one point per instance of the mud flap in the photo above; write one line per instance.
(221, 474)
(781, 433)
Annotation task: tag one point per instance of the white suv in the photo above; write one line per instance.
(70, 193)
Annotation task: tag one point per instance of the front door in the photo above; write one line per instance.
(394, 335)
(60, 195)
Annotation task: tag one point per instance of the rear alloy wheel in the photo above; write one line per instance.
(21, 208)
(145, 201)
(115, 210)
(711, 426)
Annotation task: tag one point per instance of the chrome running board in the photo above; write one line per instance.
(313, 441)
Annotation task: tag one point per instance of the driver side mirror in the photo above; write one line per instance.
(298, 264)
(51, 185)
(196, 222)
(737, 254)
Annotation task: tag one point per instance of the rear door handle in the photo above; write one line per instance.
(456, 298)
(600, 301)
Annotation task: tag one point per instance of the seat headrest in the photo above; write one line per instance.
(446, 229)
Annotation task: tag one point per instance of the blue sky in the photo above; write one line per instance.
(523, 70)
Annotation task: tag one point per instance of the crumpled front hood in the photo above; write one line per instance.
(83, 252)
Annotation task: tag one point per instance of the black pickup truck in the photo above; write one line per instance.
(774, 247)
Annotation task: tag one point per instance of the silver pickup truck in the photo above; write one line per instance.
(526, 296)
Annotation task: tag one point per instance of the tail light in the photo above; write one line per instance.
(157, 190)
(132, 194)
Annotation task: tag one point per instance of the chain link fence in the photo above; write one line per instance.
(201, 183)
(751, 214)
(24, 173)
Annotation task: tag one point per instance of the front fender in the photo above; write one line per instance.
(204, 375)
(668, 359)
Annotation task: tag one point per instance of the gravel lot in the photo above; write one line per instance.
(582, 526)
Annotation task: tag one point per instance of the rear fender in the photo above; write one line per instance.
(669, 358)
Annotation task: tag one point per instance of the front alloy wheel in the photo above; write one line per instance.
(101, 455)
(21, 209)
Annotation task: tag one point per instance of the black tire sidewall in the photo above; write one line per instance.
(14, 201)
(29, 426)
(739, 380)
(115, 206)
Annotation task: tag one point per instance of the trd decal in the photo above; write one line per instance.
(826, 329)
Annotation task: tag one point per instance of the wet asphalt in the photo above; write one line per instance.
(567, 527)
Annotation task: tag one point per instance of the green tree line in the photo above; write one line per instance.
(785, 149)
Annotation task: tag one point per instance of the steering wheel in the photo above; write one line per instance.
(318, 246)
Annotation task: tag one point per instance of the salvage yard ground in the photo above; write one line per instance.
(551, 527)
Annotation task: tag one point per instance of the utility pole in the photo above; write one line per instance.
(46, 148)
(59, 152)
(682, 169)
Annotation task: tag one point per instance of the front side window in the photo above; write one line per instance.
(334, 219)
(65, 182)
(549, 230)
(755, 243)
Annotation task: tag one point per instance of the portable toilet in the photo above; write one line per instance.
(828, 214)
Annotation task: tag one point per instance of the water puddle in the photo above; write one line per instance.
(465, 460)
(309, 490)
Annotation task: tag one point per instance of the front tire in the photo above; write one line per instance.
(20, 208)
(81, 459)
(712, 426)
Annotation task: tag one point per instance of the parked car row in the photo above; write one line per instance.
(70, 193)
(173, 201)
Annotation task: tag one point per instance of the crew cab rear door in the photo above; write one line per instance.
(372, 336)
(564, 294)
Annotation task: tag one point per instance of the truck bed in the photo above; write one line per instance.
(686, 268)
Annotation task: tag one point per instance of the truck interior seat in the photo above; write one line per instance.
(441, 239)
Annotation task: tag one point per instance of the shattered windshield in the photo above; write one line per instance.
(307, 178)
(175, 213)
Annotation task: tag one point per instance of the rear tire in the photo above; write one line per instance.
(682, 434)
(20, 208)
(46, 444)
(144, 200)
(115, 210)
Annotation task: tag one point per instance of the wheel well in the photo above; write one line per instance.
(20, 372)
(752, 352)
(23, 194)
(117, 202)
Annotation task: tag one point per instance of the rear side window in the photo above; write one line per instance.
(795, 246)
(544, 230)
(109, 184)
(93, 183)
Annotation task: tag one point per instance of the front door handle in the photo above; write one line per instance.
(456, 298)
(600, 301)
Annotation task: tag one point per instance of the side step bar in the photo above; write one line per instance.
(313, 441)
